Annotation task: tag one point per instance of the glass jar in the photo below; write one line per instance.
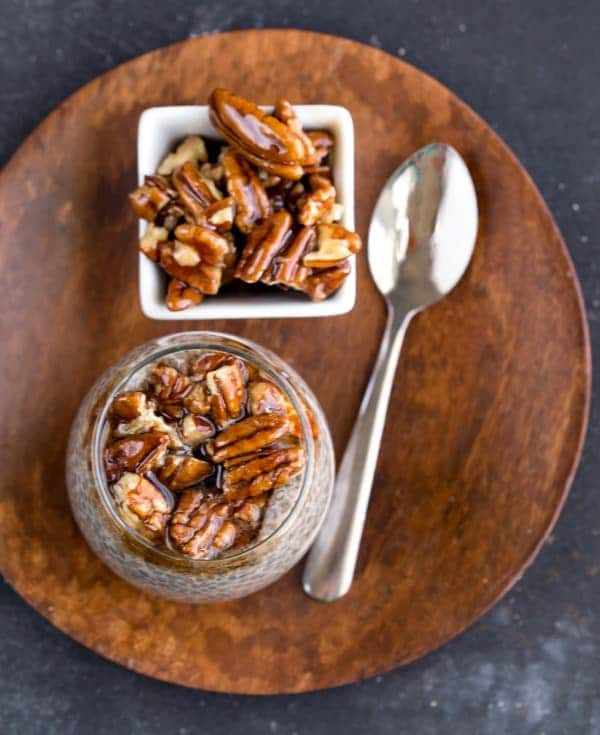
(160, 570)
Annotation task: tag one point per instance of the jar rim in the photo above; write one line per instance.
(206, 341)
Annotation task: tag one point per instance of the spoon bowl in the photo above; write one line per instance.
(421, 239)
(423, 228)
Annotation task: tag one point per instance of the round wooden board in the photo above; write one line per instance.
(485, 425)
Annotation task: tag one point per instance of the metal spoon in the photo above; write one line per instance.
(421, 238)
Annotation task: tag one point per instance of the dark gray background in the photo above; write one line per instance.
(532, 665)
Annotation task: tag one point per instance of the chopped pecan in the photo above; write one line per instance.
(262, 139)
(142, 504)
(151, 238)
(180, 296)
(322, 283)
(322, 142)
(313, 207)
(179, 472)
(128, 405)
(250, 511)
(147, 420)
(196, 429)
(213, 171)
(195, 192)
(248, 436)
(148, 200)
(197, 401)
(208, 361)
(244, 477)
(139, 453)
(262, 245)
(200, 527)
(246, 189)
(227, 390)
(191, 149)
(220, 215)
(196, 257)
(335, 244)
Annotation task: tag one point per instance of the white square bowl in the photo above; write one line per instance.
(159, 130)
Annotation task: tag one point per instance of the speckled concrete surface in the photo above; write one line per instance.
(532, 665)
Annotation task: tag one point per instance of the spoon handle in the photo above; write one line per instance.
(331, 562)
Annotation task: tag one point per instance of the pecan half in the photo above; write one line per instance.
(335, 244)
(138, 453)
(196, 429)
(227, 391)
(246, 189)
(262, 139)
(200, 527)
(313, 207)
(142, 504)
(179, 472)
(151, 239)
(195, 192)
(170, 387)
(248, 436)
(285, 112)
(191, 149)
(286, 268)
(262, 245)
(180, 296)
(245, 477)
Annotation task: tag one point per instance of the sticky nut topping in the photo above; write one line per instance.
(193, 454)
(238, 212)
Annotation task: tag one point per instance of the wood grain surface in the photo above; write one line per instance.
(486, 420)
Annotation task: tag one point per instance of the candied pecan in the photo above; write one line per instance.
(250, 435)
(150, 240)
(180, 296)
(213, 171)
(220, 214)
(227, 390)
(286, 268)
(179, 472)
(142, 504)
(322, 283)
(265, 397)
(147, 420)
(148, 200)
(191, 149)
(128, 405)
(314, 206)
(261, 138)
(139, 452)
(285, 112)
(322, 142)
(197, 257)
(335, 244)
(208, 361)
(246, 189)
(170, 387)
(195, 192)
(196, 429)
(245, 476)
(249, 512)
(200, 527)
(262, 245)
(197, 401)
